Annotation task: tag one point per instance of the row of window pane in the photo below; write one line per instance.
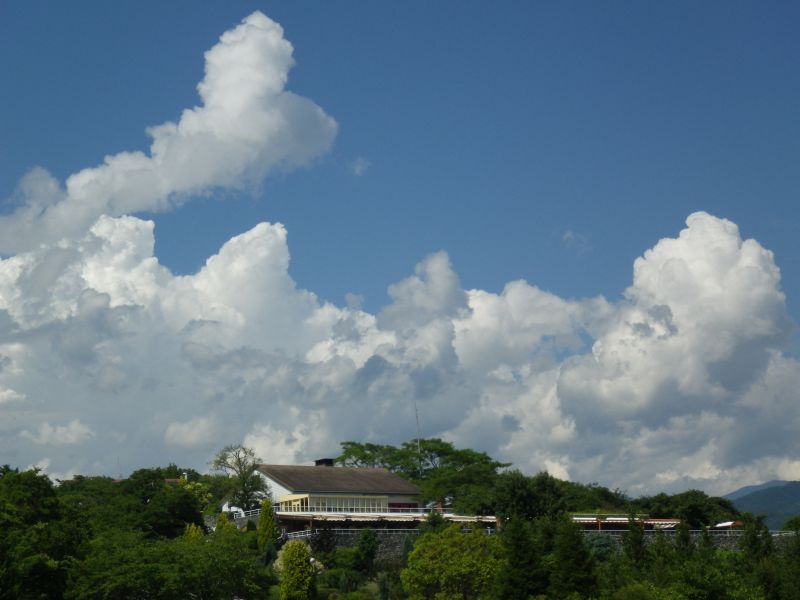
(336, 504)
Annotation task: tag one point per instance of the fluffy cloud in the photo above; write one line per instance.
(702, 327)
(673, 386)
(73, 432)
(248, 125)
(106, 353)
(197, 431)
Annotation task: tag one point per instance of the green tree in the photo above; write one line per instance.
(684, 546)
(120, 564)
(442, 472)
(633, 543)
(169, 510)
(199, 490)
(757, 549)
(390, 587)
(638, 591)
(296, 571)
(267, 531)
(660, 561)
(323, 543)
(220, 487)
(692, 506)
(756, 541)
(463, 475)
(32, 493)
(523, 573)
(240, 464)
(355, 454)
(578, 497)
(452, 565)
(38, 537)
(125, 564)
(792, 524)
(789, 569)
(366, 550)
(515, 496)
(706, 550)
(224, 523)
(144, 501)
(601, 545)
(102, 503)
(573, 570)
(433, 523)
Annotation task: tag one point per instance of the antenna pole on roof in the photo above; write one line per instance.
(419, 446)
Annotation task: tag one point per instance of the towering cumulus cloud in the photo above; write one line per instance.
(108, 361)
(247, 125)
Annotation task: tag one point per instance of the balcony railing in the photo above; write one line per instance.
(382, 513)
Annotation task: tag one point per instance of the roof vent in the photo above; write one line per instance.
(323, 462)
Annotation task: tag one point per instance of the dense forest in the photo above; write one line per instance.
(159, 534)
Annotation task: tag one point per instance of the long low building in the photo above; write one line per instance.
(619, 522)
(305, 496)
(326, 488)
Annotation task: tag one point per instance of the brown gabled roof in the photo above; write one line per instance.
(299, 479)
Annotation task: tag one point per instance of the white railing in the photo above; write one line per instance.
(307, 533)
(243, 514)
(357, 511)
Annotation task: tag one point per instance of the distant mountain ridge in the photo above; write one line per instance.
(776, 501)
(749, 489)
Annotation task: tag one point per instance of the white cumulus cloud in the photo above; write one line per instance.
(248, 125)
(73, 432)
(683, 382)
(197, 431)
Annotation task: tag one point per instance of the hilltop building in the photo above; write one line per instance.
(326, 488)
(324, 495)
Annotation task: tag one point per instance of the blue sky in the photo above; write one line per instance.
(553, 143)
(489, 133)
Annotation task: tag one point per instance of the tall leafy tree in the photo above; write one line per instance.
(267, 531)
(38, 536)
(443, 473)
(296, 572)
(515, 496)
(355, 454)
(452, 565)
(366, 550)
(523, 573)
(125, 564)
(789, 569)
(573, 569)
(684, 546)
(757, 554)
(32, 493)
(633, 543)
(696, 508)
(239, 463)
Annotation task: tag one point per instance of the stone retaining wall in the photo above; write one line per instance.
(392, 543)
(726, 540)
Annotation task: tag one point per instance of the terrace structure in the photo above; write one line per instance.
(606, 522)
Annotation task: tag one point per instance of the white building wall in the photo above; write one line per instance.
(276, 490)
